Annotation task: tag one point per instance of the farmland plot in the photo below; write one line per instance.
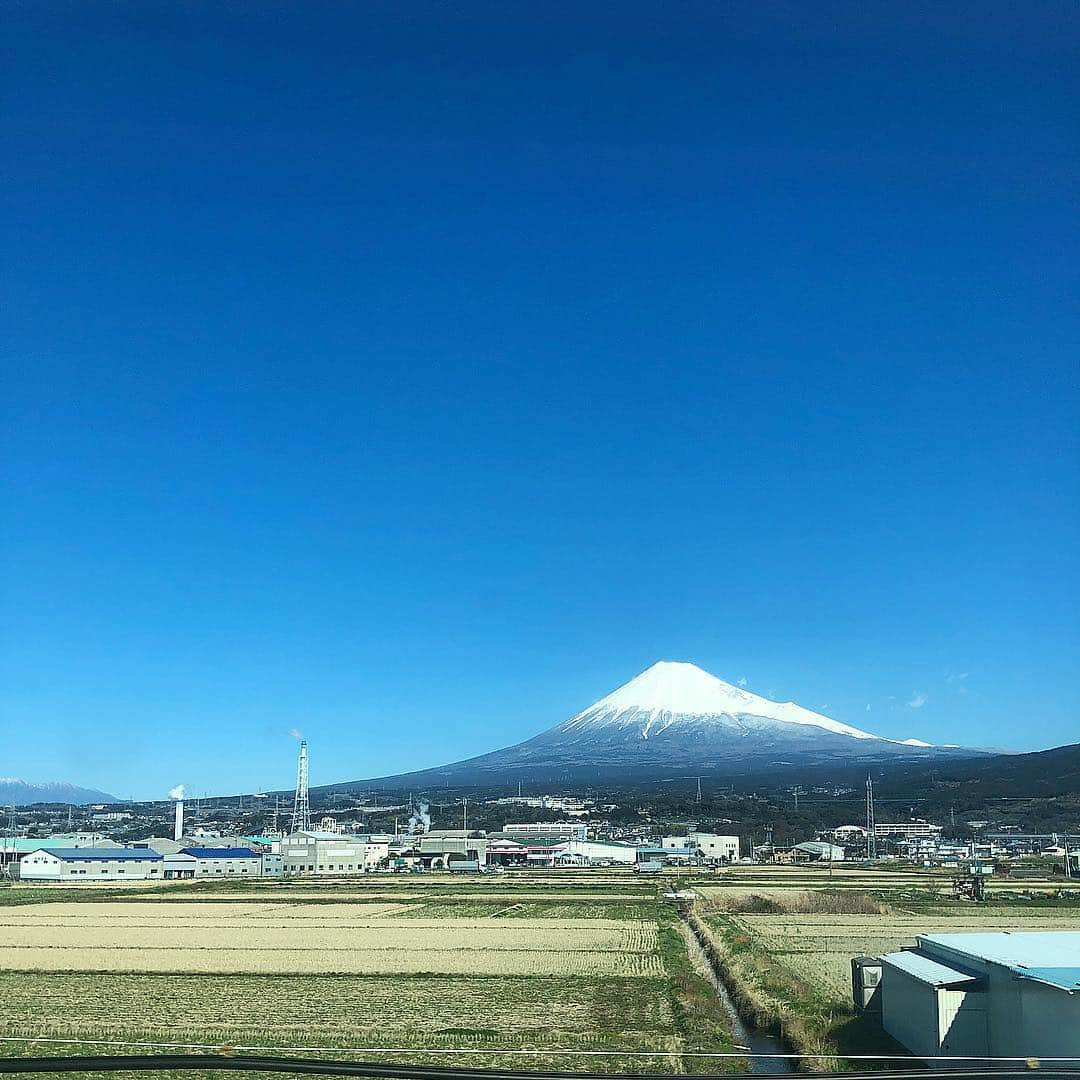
(321, 979)
(819, 948)
(312, 939)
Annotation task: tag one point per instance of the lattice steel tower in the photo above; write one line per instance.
(301, 811)
(871, 831)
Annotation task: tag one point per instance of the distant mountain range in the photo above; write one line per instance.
(676, 718)
(16, 792)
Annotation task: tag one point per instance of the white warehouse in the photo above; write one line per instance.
(711, 846)
(223, 862)
(90, 864)
(984, 995)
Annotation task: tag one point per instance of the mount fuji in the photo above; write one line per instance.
(17, 792)
(676, 717)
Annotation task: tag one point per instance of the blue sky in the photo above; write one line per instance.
(413, 375)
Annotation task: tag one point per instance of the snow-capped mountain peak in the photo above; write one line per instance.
(670, 691)
(18, 792)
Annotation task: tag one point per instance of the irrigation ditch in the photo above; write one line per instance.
(745, 1030)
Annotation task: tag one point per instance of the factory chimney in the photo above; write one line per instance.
(177, 793)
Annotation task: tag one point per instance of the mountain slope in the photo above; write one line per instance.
(676, 717)
(16, 792)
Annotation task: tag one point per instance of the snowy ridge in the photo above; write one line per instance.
(672, 692)
(18, 792)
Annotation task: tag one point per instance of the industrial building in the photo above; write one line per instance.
(711, 846)
(506, 853)
(220, 862)
(440, 852)
(161, 844)
(331, 853)
(176, 865)
(820, 851)
(909, 830)
(87, 863)
(544, 830)
(596, 853)
(715, 847)
(273, 865)
(985, 995)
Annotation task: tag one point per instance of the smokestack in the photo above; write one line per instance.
(177, 793)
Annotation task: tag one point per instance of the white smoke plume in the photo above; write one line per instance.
(295, 734)
(420, 822)
(176, 792)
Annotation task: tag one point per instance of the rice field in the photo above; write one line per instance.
(316, 939)
(356, 1011)
(423, 978)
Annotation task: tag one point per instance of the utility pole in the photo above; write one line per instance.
(465, 814)
(697, 799)
(871, 832)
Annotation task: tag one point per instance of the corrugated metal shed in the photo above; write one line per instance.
(1064, 978)
(928, 971)
(1047, 956)
(22, 844)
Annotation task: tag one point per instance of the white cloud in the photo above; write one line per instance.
(956, 676)
(917, 700)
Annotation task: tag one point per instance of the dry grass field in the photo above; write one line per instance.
(436, 975)
(787, 951)
(315, 939)
(819, 948)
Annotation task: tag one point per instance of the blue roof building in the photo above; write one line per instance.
(75, 864)
(220, 852)
(223, 862)
(985, 995)
(88, 854)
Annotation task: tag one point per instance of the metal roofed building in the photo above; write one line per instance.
(822, 850)
(90, 864)
(599, 852)
(222, 862)
(313, 852)
(12, 848)
(986, 995)
(163, 845)
(544, 830)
